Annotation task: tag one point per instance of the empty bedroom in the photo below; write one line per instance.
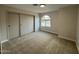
(39, 29)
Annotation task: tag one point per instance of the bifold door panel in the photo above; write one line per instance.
(13, 25)
(26, 24)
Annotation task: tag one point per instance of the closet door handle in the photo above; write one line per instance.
(8, 25)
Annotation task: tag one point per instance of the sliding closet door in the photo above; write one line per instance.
(26, 24)
(13, 25)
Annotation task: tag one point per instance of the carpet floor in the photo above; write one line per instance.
(39, 43)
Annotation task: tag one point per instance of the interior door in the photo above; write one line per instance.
(26, 24)
(13, 25)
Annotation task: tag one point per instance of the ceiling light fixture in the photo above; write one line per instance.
(42, 5)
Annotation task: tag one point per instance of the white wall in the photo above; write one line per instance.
(3, 25)
(78, 30)
(0, 33)
(63, 22)
(37, 23)
(3, 15)
(0, 29)
(67, 22)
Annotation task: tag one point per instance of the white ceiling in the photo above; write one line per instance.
(37, 9)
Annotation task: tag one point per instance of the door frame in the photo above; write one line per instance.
(33, 23)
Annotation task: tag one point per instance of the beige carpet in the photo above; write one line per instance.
(39, 43)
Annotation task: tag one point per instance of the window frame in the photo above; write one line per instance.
(45, 20)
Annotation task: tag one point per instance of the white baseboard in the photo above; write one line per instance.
(4, 41)
(66, 38)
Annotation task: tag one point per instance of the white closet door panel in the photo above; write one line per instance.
(13, 24)
(26, 24)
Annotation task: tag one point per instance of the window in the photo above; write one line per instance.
(45, 21)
